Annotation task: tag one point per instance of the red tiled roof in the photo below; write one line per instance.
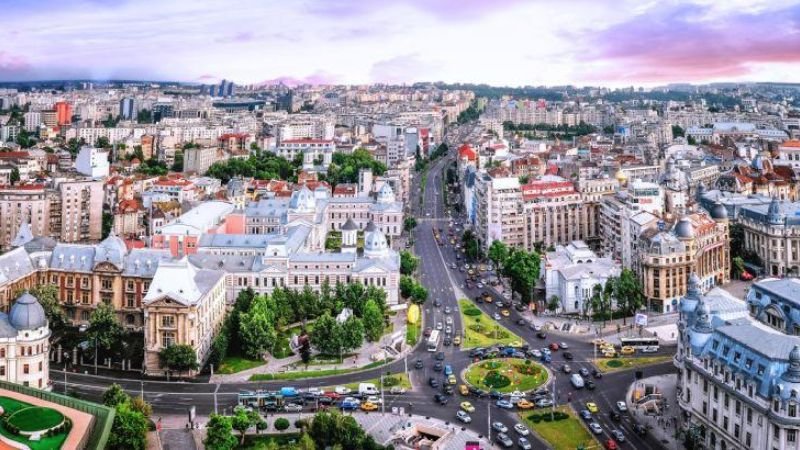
(465, 151)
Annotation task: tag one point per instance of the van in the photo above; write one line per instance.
(367, 389)
(576, 380)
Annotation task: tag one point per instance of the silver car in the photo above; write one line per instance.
(596, 428)
(463, 416)
(524, 444)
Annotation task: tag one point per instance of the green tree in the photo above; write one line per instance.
(419, 294)
(677, 131)
(219, 345)
(306, 443)
(600, 302)
(691, 140)
(344, 167)
(409, 224)
(737, 266)
(408, 263)
(242, 421)
(553, 304)
(257, 328)
(498, 253)
(628, 292)
(471, 247)
(305, 348)
(177, 166)
(351, 333)
(107, 224)
(104, 330)
(373, 321)
(129, 430)
(14, 175)
(178, 357)
(522, 268)
(47, 294)
(140, 405)
(326, 335)
(282, 424)
(407, 285)
(114, 396)
(219, 433)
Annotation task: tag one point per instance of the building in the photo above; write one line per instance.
(198, 160)
(127, 108)
(499, 214)
(25, 344)
(92, 162)
(181, 235)
(739, 366)
(63, 113)
(32, 121)
(555, 213)
(175, 189)
(571, 272)
(773, 233)
(183, 306)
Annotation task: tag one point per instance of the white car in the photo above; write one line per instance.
(497, 316)
(439, 326)
(397, 390)
(563, 345)
(521, 429)
(374, 399)
(519, 394)
(596, 428)
(448, 320)
(463, 416)
(292, 408)
(621, 406)
(342, 390)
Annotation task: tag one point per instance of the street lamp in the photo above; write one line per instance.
(66, 358)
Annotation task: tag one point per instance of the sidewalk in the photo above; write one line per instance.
(294, 363)
(661, 421)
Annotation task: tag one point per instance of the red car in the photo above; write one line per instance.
(331, 395)
(554, 346)
(611, 445)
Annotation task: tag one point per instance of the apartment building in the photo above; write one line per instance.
(773, 232)
(554, 213)
(499, 214)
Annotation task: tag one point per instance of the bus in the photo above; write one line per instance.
(433, 341)
(644, 345)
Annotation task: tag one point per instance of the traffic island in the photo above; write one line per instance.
(629, 362)
(481, 330)
(561, 429)
(506, 375)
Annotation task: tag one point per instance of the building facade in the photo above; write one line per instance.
(773, 233)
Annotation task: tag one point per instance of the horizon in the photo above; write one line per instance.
(506, 43)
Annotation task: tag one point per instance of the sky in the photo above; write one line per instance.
(498, 42)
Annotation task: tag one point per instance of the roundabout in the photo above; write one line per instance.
(506, 375)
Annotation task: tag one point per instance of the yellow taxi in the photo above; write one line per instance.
(592, 407)
(451, 379)
(463, 389)
(599, 341)
(609, 353)
(467, 406)
(505, 313)
(369, 406)
(524, 404)
(457, 340)
(628, 350)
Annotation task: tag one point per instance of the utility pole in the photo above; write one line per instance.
(553, 410)
(383, 402)
(489, 415)
(95, 354)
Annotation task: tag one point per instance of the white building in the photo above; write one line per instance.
(25, 344)
(570, 274)
(92, 162)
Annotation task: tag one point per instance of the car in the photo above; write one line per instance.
(488, 299)
(546, 358)
(520, 307)
(504, 440)
(495, 395)
(477, 392)
(567, 355)
(499, 304)
(427, 332)
(615, 416)
(451, 379)
(448, 310)
(505, 313)
(618, 435)
(499, 427)
(586, 415)
(437, 303)
(439, 326)
(584, 372)
(505, 404)
(463, 417)
(521, 322)
(597, 374)
(433, 382)
(611, 353)
(524, 443)
(622, 406)
(397, 390)
(467, 406)
(521, 429)
(440, 356)
(438, 366)
(610, 445)
(457, 340)
(641, 430)
(497, 316)
(448, 320)
(563, 345)
(598, 341)
(447, 389)
(590, 385)
(331, 395)
(341, 390)
(546, 351)
(448, 330)
(595, 427)
(440, 399)
(649, 349)
(544, 403)
(566, 368)
(525, 404)
(368, 406)
(541, 335)
(479, 285)
(592, 407)
(447, 341)
(463, 389)
(479, 299)
(534, 353)
(419, 364)
(292, 407)
(553, 347)
(627, 350)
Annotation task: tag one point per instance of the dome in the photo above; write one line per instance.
(792, 373)
(684, 229)
(303, 200)
(27, 313)
(774, 215)
(718, 212)
(375, 244)
(370, 227)
(621, 176)
(702, 323)
(112, 249)
(349, 225)
(386, 194)
(692, 297)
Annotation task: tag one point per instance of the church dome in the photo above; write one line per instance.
(684, 229)
(718, 212)
(27, 313)
(375, 244)
(303, 200)
(386, 194)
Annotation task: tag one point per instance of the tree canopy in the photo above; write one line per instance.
(260, 165)
(344, 167)
(178, 357)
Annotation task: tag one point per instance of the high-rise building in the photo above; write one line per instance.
(63, 113)
(127, 109)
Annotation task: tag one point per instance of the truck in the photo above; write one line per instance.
(576, 380)
(289, 392)
(367, 389)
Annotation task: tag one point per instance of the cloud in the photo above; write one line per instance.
(693, 42)
(316, 79)
(13, 63)
(441, 9)
(240, 37)
(402, 69)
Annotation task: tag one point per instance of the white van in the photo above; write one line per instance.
(367, 389)
(576, 380)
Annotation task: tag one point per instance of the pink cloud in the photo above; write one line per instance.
(442, 9)
(13, 63)
(681, 44)
(316, 79)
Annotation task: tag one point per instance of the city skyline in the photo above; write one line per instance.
(613, 43)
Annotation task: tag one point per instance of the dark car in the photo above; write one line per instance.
(584, 372)
(616, 417)
(438, 366)
(567, 355)
(448, 389)
(447, 342)
(521, 322)
(433, 382)
(541, 335)
(586, 415)
(419, 364)
(597, 374)
(477, 352)
(437, 303)
(440, 399)
(324, 400)
(428, 331)
(440, 356)
(494, 395)
(477, 392)
(639, 429)
(520, 307)
(590, 385)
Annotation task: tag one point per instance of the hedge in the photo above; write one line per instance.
(548, 417)
(282, 424)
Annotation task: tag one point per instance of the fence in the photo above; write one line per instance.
(103, 415)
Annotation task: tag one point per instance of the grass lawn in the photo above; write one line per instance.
(506, 375)
(234, 364)
(481, 330)
(260, 442)
(566, 434)
(401, 378)
(36, 418)
(412, 332)
(627, 362)
(301, 374)
(11, 405)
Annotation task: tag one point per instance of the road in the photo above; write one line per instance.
(440, 280)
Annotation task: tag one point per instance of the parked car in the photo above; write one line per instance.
(292, 407)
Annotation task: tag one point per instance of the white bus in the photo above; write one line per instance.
(644, 345)
(433, 341)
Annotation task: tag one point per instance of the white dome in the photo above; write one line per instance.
(386, 194)
(375, 244)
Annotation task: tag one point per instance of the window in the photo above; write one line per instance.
(776, 432)
(747, 439)
(725, 423)
(2, 353)
(714, 415)
(130, 301)
(40, 366)
(167, 338)
(761, 369)
(168, 321)
(736, 431)
(26, 368)
(85, 315)
(2, 371)
(749, 416)
(791, 435)
(748, 363)
(738, 407)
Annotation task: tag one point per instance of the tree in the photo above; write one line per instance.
(738, 266)
(677, 131)
(351, 333)
(261, 425)
(628, 292)
(408, 263)
(471, 247)
(242, 421)
(104, 330)
(178, 357)
(257, 328)
(140, 405)
(306, 443)
(282, 424)
(219, 345)
(129, 430)
(14, 175)
(522, 267)
(407, 285)
(344, 168)
(114, 396)
(419, 294)
(601, 303)
(47, 294)
(327, 336)
(691, 140)
(305, 348)
(218, 433)
(409, 224)
(177, 166)
(498, 253)
(373, 321)
(553, 303)
(107, 224)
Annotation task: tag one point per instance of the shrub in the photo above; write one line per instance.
(391, 381)
(281, 424)
(471, 311)
(491, 365)
(495, 379)
(614, 363)
(548, 417)
(301, 424)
